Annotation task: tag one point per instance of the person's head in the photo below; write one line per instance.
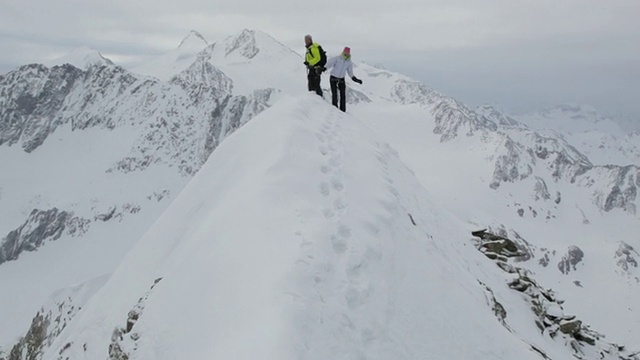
(346, 52)
(308, 40)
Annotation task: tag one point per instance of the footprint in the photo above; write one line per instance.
(323, 150)
(325, 169)
(307, 245)
(339, 205)
(325, 189)
(339, 244)
(353, 298)
(337, 184)
(372, 228)
(367, 336)
(356, 298)
(329, 214)
(344, 231)
(353, 272)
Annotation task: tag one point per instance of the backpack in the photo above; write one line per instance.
(323, 57)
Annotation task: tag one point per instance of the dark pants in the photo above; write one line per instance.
(338, 84)
(313, 81)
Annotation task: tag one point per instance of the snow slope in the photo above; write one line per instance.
(456, 172)
(108, 213)
(303, 237)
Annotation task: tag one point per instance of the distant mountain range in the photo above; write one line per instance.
(126, 220)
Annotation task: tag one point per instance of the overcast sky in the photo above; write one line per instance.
(520, 55)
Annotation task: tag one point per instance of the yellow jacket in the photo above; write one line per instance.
(313, 54)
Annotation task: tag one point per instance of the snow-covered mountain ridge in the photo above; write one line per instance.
(357, 266)
(130, 141)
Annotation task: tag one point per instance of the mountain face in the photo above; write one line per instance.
(523, 150)
(347, 273)
(90, 153)
(93, 155)
(40, 227)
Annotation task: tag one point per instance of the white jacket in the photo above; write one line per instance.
(340, 66)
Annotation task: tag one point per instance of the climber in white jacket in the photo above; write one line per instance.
(340, 66)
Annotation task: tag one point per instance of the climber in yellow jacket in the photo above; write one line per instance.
(315, 60)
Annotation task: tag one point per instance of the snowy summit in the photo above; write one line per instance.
(82, 57)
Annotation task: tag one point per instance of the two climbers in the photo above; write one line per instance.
(316, 62)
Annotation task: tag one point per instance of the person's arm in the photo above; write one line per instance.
(331, 62)
(350, 71)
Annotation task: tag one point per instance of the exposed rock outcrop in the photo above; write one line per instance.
(124, 338)
(551, 318)
(42, 226)
(569, 261)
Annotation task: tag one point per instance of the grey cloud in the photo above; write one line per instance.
(532, 75)
(489, 51)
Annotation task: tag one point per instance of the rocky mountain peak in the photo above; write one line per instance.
(193, 39)
(495, 115)
(248, 43)
(244, 43)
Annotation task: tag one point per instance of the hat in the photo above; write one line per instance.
(347, 50)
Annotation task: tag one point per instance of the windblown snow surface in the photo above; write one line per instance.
(296, 240)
